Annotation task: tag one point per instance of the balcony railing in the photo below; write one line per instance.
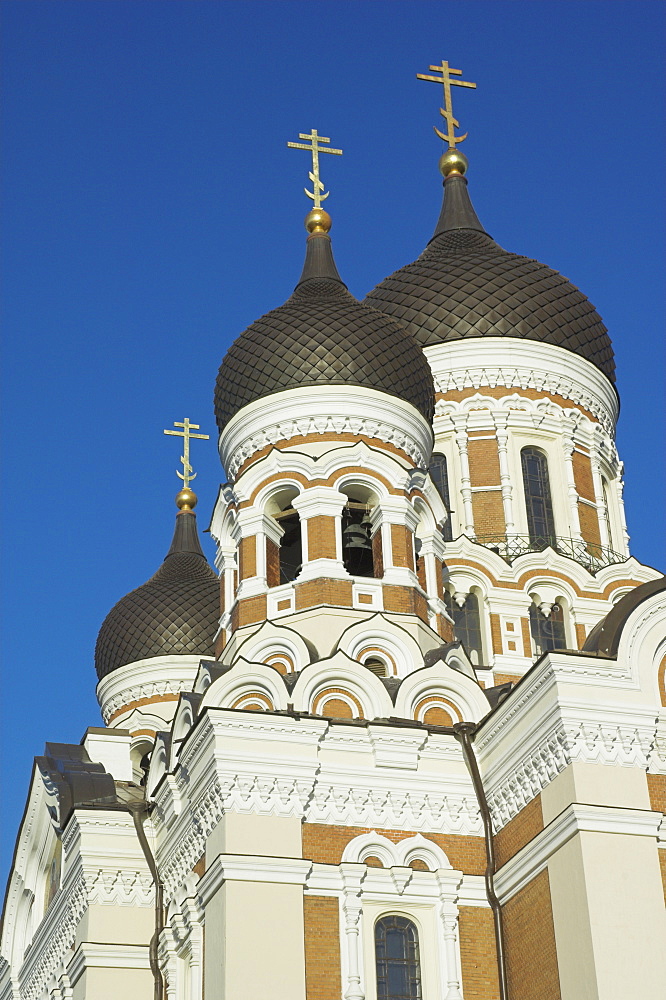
(592, 556)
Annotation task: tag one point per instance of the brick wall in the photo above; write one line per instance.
(519, 831)
(580, 636)
(247, 557)
(589, 520)
(272, 563)
(531, 954)
(323, 591)
(322, 948)
(589, 524)
(488, 514)
(325, 844)
(483, 462)
(321, 537)
(249, 610)
(405, 599)
(377, 555)
(496, 632)
(402, 547)
(527, 637)
(478, 955)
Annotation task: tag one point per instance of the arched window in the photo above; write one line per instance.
(540, 521)
(548, 633)
(397, 958)
(467, 625)
(439, 474)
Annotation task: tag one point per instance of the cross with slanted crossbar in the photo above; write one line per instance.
(318, 194)
(186, 475)
(447, 111)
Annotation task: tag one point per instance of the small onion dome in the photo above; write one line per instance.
(465, 285)
(176, 612)
(322, 335)
(604, 639)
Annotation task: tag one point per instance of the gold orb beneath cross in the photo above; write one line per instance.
(453, 162)
(186, 499)
(318, 221)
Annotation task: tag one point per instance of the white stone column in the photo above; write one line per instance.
(321, 501)
(501, 420)
(396, 510)
(572, 493)
(227, 565)
(619, 487)
(460, 424)
(352, 877)
(449, 882)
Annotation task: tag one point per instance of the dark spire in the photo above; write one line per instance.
(186, 536)
(457, 209)
(319, 262)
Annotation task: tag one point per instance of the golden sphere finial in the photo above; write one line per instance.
(186, 499)
(453, 162)
(318, 221)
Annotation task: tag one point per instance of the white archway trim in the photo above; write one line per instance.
(244, 679)
(442, 679)
(381, 634)
(414, 848)
(342, 673)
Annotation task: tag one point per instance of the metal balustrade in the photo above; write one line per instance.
(588, 554)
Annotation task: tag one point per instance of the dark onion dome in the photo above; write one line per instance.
(176, 612)
(322, 335)
(604, 639)
(465, 285)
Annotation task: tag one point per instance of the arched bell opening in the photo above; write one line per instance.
(290, 554)
(357, 547)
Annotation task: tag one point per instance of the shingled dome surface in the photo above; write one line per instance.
(322, 335)
(176, 612)
(465, 285)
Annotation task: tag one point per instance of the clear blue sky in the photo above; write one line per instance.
(152, 210)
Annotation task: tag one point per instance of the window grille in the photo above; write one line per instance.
(540, 520)
(440, 476)
(397, 958)
(548, 633)
(467, 625)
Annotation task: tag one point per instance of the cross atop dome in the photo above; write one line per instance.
(446, 73)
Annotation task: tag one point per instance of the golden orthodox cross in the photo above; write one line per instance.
(447, 111)
(186, 475)
(318, 194)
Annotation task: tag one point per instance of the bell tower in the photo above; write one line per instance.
(324, 408)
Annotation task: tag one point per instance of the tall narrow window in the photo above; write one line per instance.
(356, 542)
(440, 476)
(291, 551)
(467, 625)
(548, 633)
(397, 957)
(540, 521)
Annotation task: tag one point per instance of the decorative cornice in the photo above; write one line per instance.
(337, 410)
(54, 937)
(525, 364)
(149, 678)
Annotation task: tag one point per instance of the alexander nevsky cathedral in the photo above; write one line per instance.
(407, 738)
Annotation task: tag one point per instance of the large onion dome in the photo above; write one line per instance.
(176, 612)
(322, 335)
(465, 285)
